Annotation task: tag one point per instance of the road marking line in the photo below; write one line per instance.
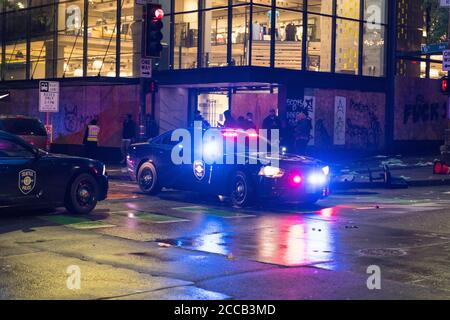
(149, 216)
(77, 222)
(226, 214)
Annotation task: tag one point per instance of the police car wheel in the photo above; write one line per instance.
(148, 179)
(241, 192)
(82, 196)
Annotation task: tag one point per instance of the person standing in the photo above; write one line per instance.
(128, 135)
(90, 140)
(198, 117)
(271, 122)
(249, 123)
(229, 120)
(302, 133)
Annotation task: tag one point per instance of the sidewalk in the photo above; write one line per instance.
(405, 171)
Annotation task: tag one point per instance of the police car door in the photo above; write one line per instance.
(18, 183)
(167, 170)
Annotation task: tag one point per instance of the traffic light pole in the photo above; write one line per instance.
(142, 99)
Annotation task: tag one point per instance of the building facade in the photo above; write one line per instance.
(351, 65)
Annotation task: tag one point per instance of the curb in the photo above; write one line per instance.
(382, 185)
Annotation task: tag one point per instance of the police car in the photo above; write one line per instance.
(33, 178)
(293, 178)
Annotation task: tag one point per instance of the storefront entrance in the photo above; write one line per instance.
(257, 101)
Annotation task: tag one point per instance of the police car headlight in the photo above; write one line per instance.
(326, 170)
(271, 172)
(317, 179)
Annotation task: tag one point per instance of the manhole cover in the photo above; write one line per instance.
(382, 252)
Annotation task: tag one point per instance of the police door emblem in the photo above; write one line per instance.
(27, 181)
(199, 169)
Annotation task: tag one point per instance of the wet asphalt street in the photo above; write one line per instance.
(181, 246)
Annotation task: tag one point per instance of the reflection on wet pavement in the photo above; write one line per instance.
(292, 240)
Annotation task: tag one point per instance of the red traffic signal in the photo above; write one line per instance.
(159, 14)
(445, 86)
(153, 30)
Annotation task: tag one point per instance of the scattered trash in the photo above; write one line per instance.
(231, 257)
(381, 252)
(424, 164)
(393, 163)
(164, 245)
(347, 178)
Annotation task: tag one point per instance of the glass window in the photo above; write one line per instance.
(375, 11)
(411, 68)
(185, 5)
(436, 68)
(13, 5)
(347, 39)
(288, 45)
(319, 43)
(130, 39)
(261, 36)
(70, 39)
(291, 4)
(207, 4)
(373, 50)
(9, 149)
(240, 36)
(348, 8)
(16, 48)
(186, 41)
(102, 27)
(215, 38)
(41, 42)
(320, 6)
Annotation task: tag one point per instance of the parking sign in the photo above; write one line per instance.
(48, 96)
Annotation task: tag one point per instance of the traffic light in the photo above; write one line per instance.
(150, 86)
(445, 86)
(154, 25)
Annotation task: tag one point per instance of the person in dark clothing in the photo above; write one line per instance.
(291, 31)
(241, 122)
(90, 140)
(271, 121)
(229, 120)
(249, 123)
(198, 117)
(128, 135)
(302, 133)
(151, 127)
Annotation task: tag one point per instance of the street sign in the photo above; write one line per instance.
(48, 96)
(434, 48)
(445, 3)
(146, 68)
(446, 60)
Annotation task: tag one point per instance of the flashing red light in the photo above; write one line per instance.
(437, 168)
(297, 179)
(159, 14)
(230, 134)
(444, 85)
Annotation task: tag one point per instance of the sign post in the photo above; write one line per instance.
(146, 68)
(48, 102)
